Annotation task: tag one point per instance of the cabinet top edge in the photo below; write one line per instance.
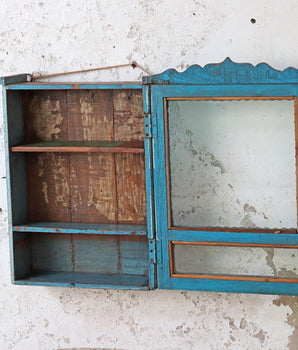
(25, 85)
(225, 72)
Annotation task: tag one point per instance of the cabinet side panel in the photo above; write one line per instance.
(15, 121)
(48, 187)
(45, 115)
(15, 136)
(18, 188)
(22, 255)
(131, 191)
(90, 115)
(128, 115)
(92, 188)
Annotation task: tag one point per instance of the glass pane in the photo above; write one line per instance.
(232, 163)
(244, 261)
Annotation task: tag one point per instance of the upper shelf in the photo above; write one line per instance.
(82, 228)
(82, 146)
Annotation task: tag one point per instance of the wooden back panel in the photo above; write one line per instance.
(85, 187)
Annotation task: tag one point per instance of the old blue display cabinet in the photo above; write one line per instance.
(190, 184)
(76, 185)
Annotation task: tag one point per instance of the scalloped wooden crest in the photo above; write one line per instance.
(226, 72)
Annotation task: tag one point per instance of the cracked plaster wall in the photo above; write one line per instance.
(54, 36)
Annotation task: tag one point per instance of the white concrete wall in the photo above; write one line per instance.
(56, 36)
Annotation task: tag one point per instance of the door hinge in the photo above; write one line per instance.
(152, 251)
(155, 254)
(159, 252)
(150, 125)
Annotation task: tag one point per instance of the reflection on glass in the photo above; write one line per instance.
(232, 163)
(244, 261)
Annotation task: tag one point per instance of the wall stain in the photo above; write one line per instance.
(281, 271)
(249, 327)
(269, 259)
(287, 273)
(260, 335)
(246, 220)
(181, 330)
(292, 319)
(249, 208)
(46, 323)
(243, 323)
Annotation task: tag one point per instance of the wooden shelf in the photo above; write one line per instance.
(82, 146)
(71, 227)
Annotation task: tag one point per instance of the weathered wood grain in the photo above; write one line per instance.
(85, 187)
(48, 187)
(131, 191)
(93, 188)
(128, 115)
(45, 115)
(90, 115)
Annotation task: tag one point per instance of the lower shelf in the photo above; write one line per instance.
(87, 280)
(80, 260)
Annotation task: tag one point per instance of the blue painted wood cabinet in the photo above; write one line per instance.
(76, 185)
(187, 181)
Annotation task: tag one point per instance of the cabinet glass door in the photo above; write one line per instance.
(225, 188)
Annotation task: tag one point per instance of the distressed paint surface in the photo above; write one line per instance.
(128, 115)
(45, 113)
(91, 187)
(131, 199)
(90, 115)
(48, 187)
(174, 34)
